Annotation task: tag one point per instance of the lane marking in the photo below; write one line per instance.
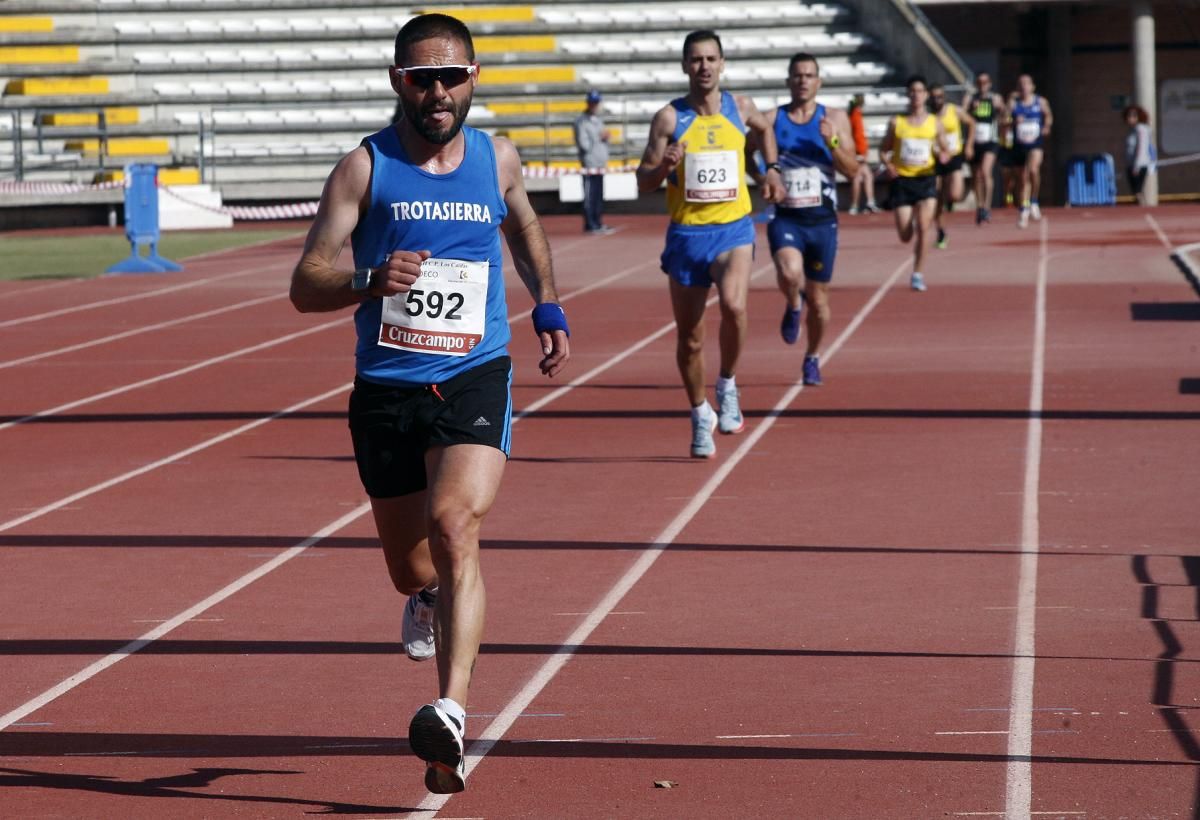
(162, 377)
(1162, 235)
(133, 297)
(542, 677)
(257, 347)
(171, 459)
(1018, 786)
(194, 611)
(1180, 255)
(93, 669)
(191, 317)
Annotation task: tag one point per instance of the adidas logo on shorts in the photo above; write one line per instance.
(482, 422)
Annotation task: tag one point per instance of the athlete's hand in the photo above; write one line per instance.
(673, 155)
(827, 130)
(773, 189)
(556, 349)
(969, 151)
(398, 273)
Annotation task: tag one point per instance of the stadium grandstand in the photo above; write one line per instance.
(253, 101)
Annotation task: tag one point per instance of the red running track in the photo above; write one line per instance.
(958, 580)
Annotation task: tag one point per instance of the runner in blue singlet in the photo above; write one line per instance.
(814, 144)
(423, 203)
(1031, 119)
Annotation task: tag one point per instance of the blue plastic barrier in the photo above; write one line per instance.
(141, 222)
(1092, 180)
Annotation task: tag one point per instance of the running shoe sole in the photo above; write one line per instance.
(434, 737)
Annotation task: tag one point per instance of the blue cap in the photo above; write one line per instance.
(593, 96)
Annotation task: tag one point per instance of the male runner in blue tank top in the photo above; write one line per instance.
(813, 142)
(423, 203)
(1032, 119)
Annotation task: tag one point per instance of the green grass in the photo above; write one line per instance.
(59, 257)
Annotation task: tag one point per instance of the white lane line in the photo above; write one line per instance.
(171, 459)
(170, 323)
(542, 677)
(217, 597)
(263, 346)
(1019, 787)
(994, 732)
(116, 391)
(133, 297)
(192, 612)
(1180, 254)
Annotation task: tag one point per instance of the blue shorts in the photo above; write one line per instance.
(816, 243)
(691, 249)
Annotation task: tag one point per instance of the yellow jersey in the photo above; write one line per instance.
(952, 125)
(912, 149)
(708, 187)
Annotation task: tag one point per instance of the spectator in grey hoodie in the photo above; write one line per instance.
(591, 138)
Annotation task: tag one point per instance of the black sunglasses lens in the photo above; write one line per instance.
(426, 77)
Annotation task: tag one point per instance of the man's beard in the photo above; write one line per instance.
(438, 136)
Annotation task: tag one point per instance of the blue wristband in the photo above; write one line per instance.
(549, 316)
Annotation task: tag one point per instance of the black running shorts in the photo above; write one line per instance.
(392, 427)
(911, 190)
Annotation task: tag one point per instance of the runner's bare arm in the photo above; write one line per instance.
(317, 284)
(530, 250)
(887, 149)
(969, 145)
(752, 146)
(661, 155)
(1048, 120)
(764, 136)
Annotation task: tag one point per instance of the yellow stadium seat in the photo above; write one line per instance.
(112, 116)
(488, 14)
(123, 146)
(166, 176)
(514, 75)
(526, 43)
(26, 25)
(553, 106)
(39, 55)
(562, 135)
(51, 86)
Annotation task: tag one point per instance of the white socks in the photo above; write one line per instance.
(724, 385)
(702, 412)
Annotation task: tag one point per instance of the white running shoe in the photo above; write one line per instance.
(1035, 211)
(917, 282)
(416, 630)
(729, 413)
(1023, 219)
(437, 738)
(702, 435)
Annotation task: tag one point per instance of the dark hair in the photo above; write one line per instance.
(700, 36)
(1143, 116)
(803, 57)
(937, 87)
(428, 27)
(916, 78)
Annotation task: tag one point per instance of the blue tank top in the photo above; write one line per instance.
(807, 163)
(454, 216)
(1027, 122)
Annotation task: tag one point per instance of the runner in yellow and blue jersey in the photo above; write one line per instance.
(815, 143)
(698, 145)
(913, 145)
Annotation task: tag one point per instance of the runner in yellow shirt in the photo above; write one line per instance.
(914, 143)
(951, 189)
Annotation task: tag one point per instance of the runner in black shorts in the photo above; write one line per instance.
(986, 107)
(393, 427)
(915, 141)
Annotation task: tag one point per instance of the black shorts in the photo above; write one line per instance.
(392, 427)
(955, 164)
(982, 148)
(911, 190)
(1019, 154)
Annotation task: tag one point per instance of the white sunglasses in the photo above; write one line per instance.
(424, 76)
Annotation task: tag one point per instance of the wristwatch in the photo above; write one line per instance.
(775, 166)
(834, 142)
(361, 281)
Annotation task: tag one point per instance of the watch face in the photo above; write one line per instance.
(362, 279)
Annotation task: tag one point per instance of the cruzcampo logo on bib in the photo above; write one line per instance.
(442, 313)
